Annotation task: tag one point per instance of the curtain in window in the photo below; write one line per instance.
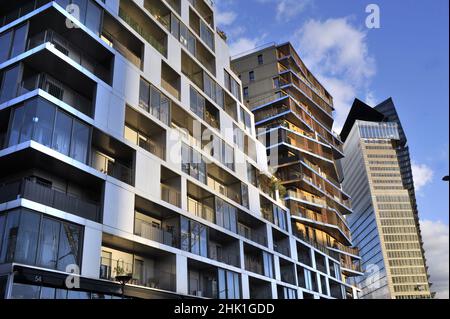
(62, 133)
(26, 246)
(48, 246)
(80, 141)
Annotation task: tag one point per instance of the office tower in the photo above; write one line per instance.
(385, 224)
(126, 152)
(294, 117)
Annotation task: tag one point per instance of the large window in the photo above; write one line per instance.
(232, 85)
(268, 265)
(279, 217)
(154, 102)
(13, 42)
(9, 83)
(193, 163)
(194, 237)
(87, 12)
(229, 285)
(34, 239)
(226, 215)
(41, 121)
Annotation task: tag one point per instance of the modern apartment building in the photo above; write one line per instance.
(130, 166)
(294, 118)
(385, 225)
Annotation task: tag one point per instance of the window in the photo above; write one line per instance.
(193, 163)
(61, 134)
(260, 59)
(232, 85)
(229, 285)
(268, 264)
(252, 174)
(90, 14)
(10, 83)
(154, 102)
(13, 42)
(39, 120)
(246, 95)
(276, 82)
(226, 215)
(251, 76)
(34, 239)
(194, 237)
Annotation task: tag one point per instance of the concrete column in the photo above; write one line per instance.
(182, 275)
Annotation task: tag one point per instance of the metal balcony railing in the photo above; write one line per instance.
(111, 268)
(46, 195)
(111, 167)
(201, 210)
(252, 235)
(149, 231)
(57, 89)
(170, 195)
(73, 52)
(223, 257)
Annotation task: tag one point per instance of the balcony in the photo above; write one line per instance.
(170, 187)
(94, 66)
(149, 267)
(203, 280)
(223, 248)
(281, 242)
(123, 41)
(170, 80)
(145, 133)
(287, 271)
(204, 10)
(69, 85)
(112, 157)
(327, 221)
(259, 289)
(143, 25)
(43, 193)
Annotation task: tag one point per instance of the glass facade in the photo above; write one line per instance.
(34, 239)
(194, 237)
(13, 42)
(229, 285)
(154, 102)
(41, 121)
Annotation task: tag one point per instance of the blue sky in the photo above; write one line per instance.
(406, 58)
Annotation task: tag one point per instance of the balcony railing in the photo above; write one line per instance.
(149, 231)
(153, 147)
(145, 34)
(110, 269)
(57, 89)
(282, 249)
(252, 235)
(170, 195)
(72, 51)
(201, 210)
(111, 167)
(48, 196)
(254, 266)
(306, 197)
(224, 257)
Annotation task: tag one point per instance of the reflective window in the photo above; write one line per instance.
(31, 238)
(229, 285)
(10, 83)
(5, 45)
(80, 141)
(20, 291)
(62, 133)
(20, 40)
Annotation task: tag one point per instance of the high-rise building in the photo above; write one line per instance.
(130, 166)
(128, 157)
(294, 118)
(385, 225)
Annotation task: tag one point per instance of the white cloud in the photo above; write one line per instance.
(225, 18)
(436, 243)
(337, 53)
(245, 44)
(422, 175)
(289, 9)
